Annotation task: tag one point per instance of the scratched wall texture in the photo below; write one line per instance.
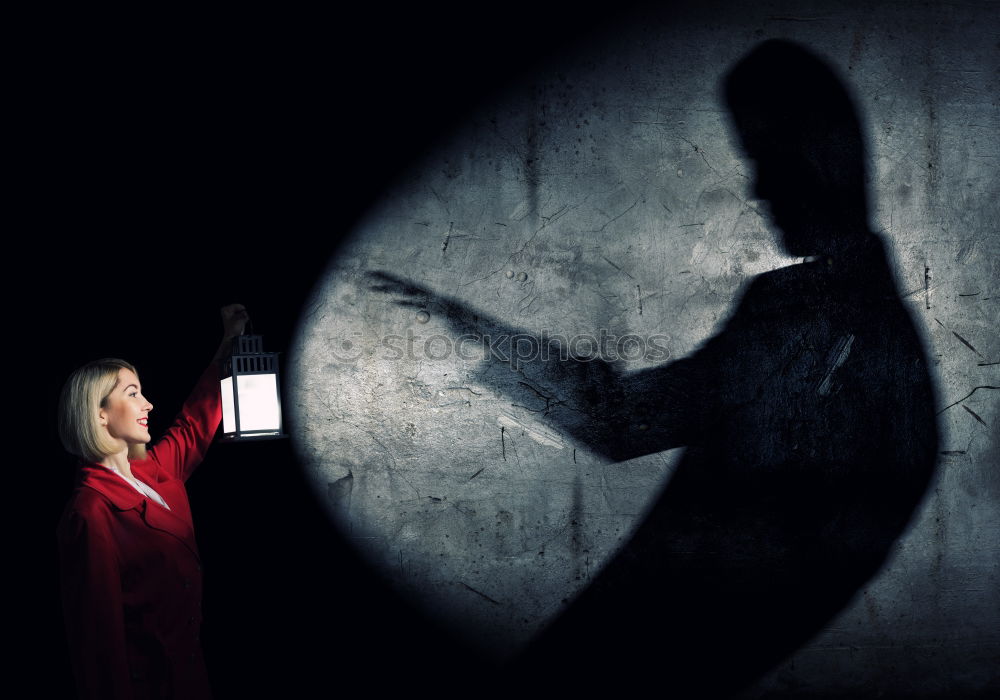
(609, 192)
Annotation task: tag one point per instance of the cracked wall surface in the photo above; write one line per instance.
(609, 192)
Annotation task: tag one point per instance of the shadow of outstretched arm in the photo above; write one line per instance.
(615, 413)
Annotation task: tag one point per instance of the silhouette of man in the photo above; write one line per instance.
(808, 424)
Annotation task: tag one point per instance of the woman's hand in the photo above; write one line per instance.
(234, 319)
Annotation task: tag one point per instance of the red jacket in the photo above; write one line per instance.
(130, 568)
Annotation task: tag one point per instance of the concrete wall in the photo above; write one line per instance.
(609, 192)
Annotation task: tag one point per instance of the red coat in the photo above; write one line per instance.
(130, 568)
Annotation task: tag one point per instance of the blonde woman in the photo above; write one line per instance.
(129, 565)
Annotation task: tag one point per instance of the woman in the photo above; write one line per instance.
(130, 569)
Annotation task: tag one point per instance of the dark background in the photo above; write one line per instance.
(180, 162)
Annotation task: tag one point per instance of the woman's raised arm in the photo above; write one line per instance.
(183, 446)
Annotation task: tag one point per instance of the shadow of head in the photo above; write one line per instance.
(799, 125)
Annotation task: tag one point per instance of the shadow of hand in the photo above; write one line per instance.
(462, 318)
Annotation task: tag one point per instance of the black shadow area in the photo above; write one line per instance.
(808, 424)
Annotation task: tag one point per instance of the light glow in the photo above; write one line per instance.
(259, 408)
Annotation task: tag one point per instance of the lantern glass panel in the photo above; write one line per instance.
(259, 408)
(228, 407)
(258, 397)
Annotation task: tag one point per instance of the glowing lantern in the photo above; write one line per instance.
(251, 397)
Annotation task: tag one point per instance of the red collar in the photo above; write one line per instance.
(123, 496)
(109, 484)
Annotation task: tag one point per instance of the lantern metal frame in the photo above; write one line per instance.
(247, 358)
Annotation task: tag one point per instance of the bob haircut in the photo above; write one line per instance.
(85, 392)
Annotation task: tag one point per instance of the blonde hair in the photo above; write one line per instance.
(85, 392)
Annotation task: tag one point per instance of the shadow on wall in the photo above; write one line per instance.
(808, 424)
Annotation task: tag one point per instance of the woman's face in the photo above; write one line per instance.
(126, 411)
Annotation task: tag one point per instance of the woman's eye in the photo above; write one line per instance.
(134, 393)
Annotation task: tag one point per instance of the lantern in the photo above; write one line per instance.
(251, 401)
